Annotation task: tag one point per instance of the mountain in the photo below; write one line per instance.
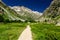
(17, 13)
(53, 11)
(26, 13)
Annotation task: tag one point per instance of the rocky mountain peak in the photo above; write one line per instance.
(53, 10)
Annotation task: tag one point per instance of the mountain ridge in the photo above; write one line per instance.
(10, 14)
(21, 10)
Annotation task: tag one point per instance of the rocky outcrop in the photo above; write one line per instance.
(53, 11)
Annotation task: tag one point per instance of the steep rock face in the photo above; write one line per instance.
(53, 11)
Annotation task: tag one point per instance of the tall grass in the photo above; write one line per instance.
(44, 31)
(11, 31)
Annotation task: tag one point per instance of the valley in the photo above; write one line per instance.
(44, 26)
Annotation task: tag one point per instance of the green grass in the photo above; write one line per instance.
(43, 31)
(11, 31)
(40, 31)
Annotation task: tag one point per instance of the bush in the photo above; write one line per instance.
(1, 18)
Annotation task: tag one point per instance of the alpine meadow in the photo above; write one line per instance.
(22, 23)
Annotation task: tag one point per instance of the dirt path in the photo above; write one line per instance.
(26, 34)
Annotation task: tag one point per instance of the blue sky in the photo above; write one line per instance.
(36, 5)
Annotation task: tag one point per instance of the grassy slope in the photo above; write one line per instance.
(42, 31)
(11, 31)
(8, 12)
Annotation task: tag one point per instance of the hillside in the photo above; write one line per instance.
(6, 13)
